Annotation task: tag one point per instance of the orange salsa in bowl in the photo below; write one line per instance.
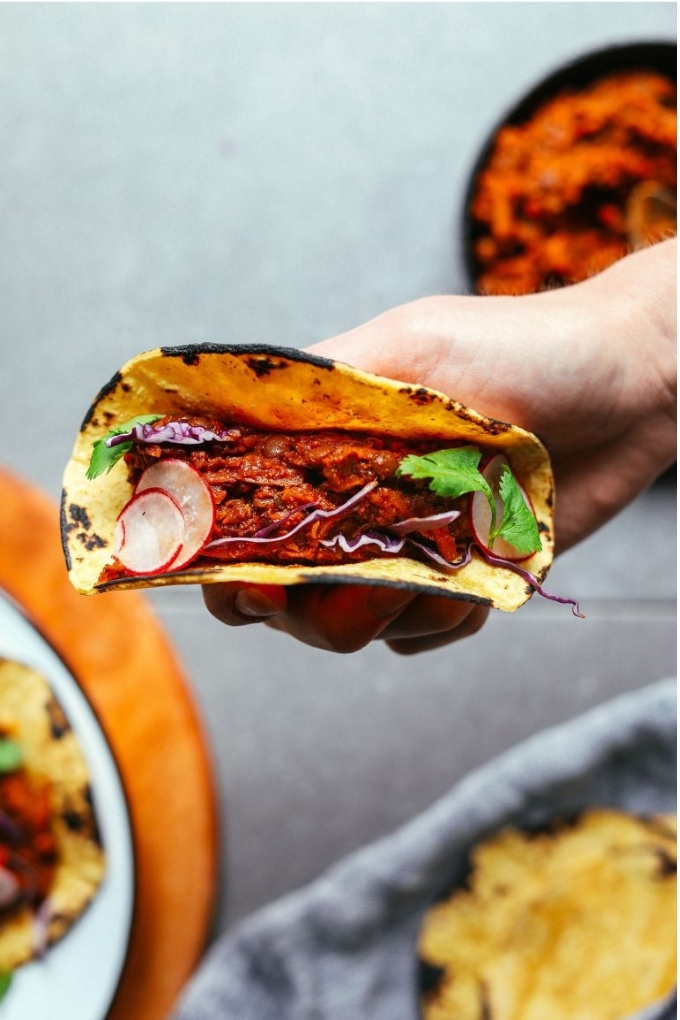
(576, 184)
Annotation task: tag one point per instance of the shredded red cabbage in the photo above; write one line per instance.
(391, 544)
(385, 542)
(394, 546)
(263, 532)
(10, 888)
(350, 545)
(425, 524)
(172, 432)
(9, 829)
(434, 555)
(213, 548)
(41, 927)
(499, 561)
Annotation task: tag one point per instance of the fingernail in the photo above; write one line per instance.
(386, 601)
(254, 603)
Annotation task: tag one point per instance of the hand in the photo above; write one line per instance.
(589, 368)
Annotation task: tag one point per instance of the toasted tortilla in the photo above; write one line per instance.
(281, 389)
(32, 714)
(572, 923)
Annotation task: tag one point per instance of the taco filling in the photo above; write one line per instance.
(206, 490)
(28, 846)
(51, 858)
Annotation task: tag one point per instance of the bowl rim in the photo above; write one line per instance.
(654, 55)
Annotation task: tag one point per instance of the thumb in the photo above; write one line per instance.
(401, 343)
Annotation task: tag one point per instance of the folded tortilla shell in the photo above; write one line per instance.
(31, 713)
(282, 389)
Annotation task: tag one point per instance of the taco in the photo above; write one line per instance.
(268, 465)
(51, 858)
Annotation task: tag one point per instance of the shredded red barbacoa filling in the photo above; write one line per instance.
(28, 847)
(259, 477)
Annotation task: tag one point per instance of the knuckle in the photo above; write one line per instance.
(476, 621)
(219, 601)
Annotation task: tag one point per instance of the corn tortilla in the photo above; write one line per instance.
(32, 715)
(577, 923)
(284, 389)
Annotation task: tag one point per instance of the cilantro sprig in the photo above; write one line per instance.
(518, 526)
(455, 472)
(104, 457)
(5, 982)
(11, 755)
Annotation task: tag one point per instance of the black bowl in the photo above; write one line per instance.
(652, 56)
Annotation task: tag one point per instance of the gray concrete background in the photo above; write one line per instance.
(282, 172)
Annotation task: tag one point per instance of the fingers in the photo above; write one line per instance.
(469, 625)
(428, 614)
(340, 618)
(239, 604)
(345, 618)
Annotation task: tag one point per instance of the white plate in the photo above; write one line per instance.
(77, 978)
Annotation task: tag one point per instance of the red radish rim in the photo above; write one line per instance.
(151, 491)
(514, 557)
(192, 491)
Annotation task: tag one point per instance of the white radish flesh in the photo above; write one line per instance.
(480, 512)
(10, 888)
(149, 532)
(193, 497)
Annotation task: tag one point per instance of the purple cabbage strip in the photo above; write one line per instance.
(394, 545)
(263, 532)
(425, 524)
(8, 828)
(41, 927)
(350, 545)
(434, 555)
(317, 515)
(178, 432)
(499, 561)
(10, 888)
(389, 543)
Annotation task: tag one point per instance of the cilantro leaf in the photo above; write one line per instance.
(518, 526)
(10, 755)
(456, 472)
(5, 982)
(453, 473)
(104, 457)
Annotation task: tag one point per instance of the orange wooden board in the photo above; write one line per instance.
(118, 653)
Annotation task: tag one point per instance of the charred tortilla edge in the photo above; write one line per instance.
(50, 746)
(287, 389)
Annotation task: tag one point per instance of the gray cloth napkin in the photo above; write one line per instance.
(343, 947)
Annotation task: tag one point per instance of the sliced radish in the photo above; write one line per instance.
(149, 532)
(480, 512)
(10, 888)
(193, 497)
